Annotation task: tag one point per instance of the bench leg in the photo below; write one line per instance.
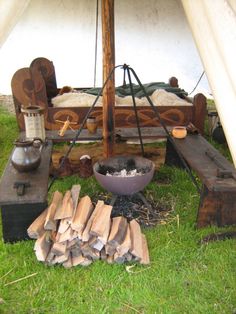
(216, 208)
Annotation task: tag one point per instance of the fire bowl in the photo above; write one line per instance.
(127, 185)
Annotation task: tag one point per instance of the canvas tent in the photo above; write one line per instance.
(213, 28)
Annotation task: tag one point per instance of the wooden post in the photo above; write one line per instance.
(108, 44)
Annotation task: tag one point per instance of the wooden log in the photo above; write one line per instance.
(42, 247)
(97, 244)
(76, 250)
(62, 258)
(36, 229)
(68, 262)
(50, 257)
(81, 215)
(103, 239)
(118, 231)
(136, 239)
(81, 260)
(128, 257)
(75, 192)
(86, 232)
(110, 259)
(103, 255)
(101, 220)
(66, 209)
(125, 246)
(145, 257)
(120, 259)
(59, 248)
(50, 223)
(66, 236)
(64, 225)
(108, 44)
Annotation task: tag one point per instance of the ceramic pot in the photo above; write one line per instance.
(91, 124)
(26, 155)
(179, 132)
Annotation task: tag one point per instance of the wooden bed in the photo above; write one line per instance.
(36, 85)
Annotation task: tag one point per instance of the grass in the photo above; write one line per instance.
(183, 277)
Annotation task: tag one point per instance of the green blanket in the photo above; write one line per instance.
(124, 90)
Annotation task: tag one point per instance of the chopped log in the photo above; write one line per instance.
(68, 262)
(50, 223)
(62, 258)
(59, 248)
(101, 220)
(42, 247)
(110, 259)
(64, 225)
(103, 239)
(97, 245)
(136, 239)
(81, 260)
(124, 247)
(86, 232)
(110, 249)
(66, 236)
(50, 257)
(118, 231)
(72, 243)
(120, 259)
(76, 250)
(103, 255)
(66, 209)
(128, 257)
(145, 257)
(75, 192)
(81, 215)
(36, 229)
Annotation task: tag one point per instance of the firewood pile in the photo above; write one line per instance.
(71, 231)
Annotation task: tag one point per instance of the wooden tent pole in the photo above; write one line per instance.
(108, 44)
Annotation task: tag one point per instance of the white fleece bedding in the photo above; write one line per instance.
(159, 98)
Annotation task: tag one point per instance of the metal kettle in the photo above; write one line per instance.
(27, 155)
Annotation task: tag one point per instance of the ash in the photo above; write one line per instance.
(124, 173)
(132, 207)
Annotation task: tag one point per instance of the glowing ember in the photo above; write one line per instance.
(124, 173)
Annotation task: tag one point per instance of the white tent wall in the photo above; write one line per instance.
(151, 36)
(213, 25)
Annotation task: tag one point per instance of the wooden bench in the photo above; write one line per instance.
(218, 176)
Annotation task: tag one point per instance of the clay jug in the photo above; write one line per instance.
(26, 155)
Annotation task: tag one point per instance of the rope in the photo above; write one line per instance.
(197, 83)
(96, 46)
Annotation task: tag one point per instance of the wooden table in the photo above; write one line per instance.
(18, 211)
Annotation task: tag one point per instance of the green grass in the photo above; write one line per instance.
(183, 277)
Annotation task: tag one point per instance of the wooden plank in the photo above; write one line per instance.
(81, 215)
(108, 44)
(50, 222)
(36, 229)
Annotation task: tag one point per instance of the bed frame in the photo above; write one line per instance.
(36, 85)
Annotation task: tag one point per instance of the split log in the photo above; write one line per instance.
(81, 260)
(50, 223)
(81, 215)
(59, 248)
(42, 247)
(118, 231)
(125, 246)
(86, 232)
(136, 239)
(75, 192)
(62, 258)
(145, 257)
(66, 236)
(68, 262)
(36, 229)
(101, 220)
(66, 209)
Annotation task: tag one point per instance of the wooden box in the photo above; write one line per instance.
(19, 211)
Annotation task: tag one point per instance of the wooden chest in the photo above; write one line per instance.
(19, 211)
